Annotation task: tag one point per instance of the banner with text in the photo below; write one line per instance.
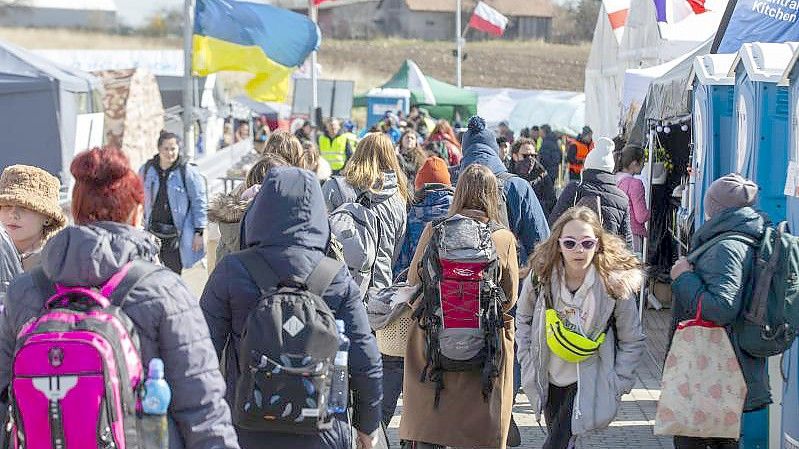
(759, 21)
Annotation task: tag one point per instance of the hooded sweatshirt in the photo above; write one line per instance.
(166, 315)
(525, 216)
(287, 223)
(9, 262)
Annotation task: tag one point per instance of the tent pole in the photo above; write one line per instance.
(645, 249)
(188, 81)
(458, 44)
(312, 13)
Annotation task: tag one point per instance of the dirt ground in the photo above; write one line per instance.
(521, 64)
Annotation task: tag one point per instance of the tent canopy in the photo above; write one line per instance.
(449, 99)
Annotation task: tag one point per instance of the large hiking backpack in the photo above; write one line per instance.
(771, 319)
(461, 307)
(287, 351)
(77, 371)
(357, 228)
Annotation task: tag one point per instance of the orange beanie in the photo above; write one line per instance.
(434, 171)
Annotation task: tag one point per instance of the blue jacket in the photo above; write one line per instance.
(525, 216)
(287, 222)
(431, 203)
(189, 208)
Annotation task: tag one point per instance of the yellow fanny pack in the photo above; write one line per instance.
(567, 344)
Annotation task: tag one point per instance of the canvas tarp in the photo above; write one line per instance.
(564, 111)
(47, 104)
(449, 99)
(134, 115)
(643, 45)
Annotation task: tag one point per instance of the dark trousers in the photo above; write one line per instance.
(393, 368)
(170, 254)
(704, 443)
(558, 414)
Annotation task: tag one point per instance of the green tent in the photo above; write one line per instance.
(449, 99)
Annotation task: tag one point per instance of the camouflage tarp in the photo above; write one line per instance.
(134, 114)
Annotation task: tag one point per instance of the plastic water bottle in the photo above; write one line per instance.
(339, 387)
(157, 395)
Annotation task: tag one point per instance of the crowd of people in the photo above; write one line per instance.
(474, 264)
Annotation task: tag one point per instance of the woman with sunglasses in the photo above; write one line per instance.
(578, 333)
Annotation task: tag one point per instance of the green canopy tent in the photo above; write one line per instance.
(448, 99)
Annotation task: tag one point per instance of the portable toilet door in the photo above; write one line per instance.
(380, 101)
(789, 433)
(762, 116)
(713, 121)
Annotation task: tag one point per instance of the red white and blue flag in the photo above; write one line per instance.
(673, 11)
(617, 11)
(488, 19)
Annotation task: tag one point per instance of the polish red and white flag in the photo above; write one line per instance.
(488, 19)
(617, 11)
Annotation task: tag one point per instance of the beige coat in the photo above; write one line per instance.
(463, 418)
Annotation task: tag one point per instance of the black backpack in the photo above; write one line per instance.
(287, 351)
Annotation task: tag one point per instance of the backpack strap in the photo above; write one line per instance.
(758, 311)
(258, 268)
(737, 236)
(138, 270)
(42, 283)
(322, 276)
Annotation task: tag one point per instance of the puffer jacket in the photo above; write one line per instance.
(551, 156)
(227, 211)
(602, 379)
(430, 203)
(615, 204)
(9, 262)
(167, 317)
(722, 281)
(390, 207)
(288, 224)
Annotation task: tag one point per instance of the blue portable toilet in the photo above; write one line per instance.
(379, 101)
(789, 434)
(713, 121)
(763, 121)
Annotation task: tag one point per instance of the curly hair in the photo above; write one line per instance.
(612, 254)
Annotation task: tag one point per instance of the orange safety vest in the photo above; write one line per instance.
(582, 153)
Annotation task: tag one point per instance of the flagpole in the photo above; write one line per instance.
(188, 84)
(458, 44)
(312, 13)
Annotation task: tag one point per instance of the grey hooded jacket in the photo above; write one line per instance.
(602, 379)
(9, 262)
(390, 207)
(167, 316)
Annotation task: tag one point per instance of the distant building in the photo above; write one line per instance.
(435, 19)
(88, 14)
(341, 19)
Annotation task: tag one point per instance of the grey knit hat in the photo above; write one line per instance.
(729, 191)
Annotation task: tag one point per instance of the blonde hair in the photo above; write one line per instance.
(310, 156)
(477, 189)
(286, 145)
(258, 172)
(375, 155)
(611, 254)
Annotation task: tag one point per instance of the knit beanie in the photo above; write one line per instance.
(434, 171)
(478, 135)
(601, 157)
(730, 191)
(34, 189)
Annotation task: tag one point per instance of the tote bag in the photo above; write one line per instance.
(703, 389)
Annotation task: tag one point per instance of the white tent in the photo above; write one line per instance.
(564, 111)
(644, 45)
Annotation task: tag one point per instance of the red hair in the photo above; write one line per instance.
(106, 188)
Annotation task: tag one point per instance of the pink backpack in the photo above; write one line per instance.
(77, 369)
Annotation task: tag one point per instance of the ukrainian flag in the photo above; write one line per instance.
(261, 39)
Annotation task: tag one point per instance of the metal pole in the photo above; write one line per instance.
(188, 82)
(458, 44)
(312, 13)
(645, 248)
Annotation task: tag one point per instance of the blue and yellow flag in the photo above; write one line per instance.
(261, 39)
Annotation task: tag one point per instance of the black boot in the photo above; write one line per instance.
(514, 436)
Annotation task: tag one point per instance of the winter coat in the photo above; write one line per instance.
(430, 203)
(525, 216)
(463, 417)
(551, 156)
(288, 224)
(188, 207)
(722, 280)
(615, 205)
(639, 212)
(389, 205)
(9, 262)
(602, 379)
(227, 211)
(536, 174)
(166, 315)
